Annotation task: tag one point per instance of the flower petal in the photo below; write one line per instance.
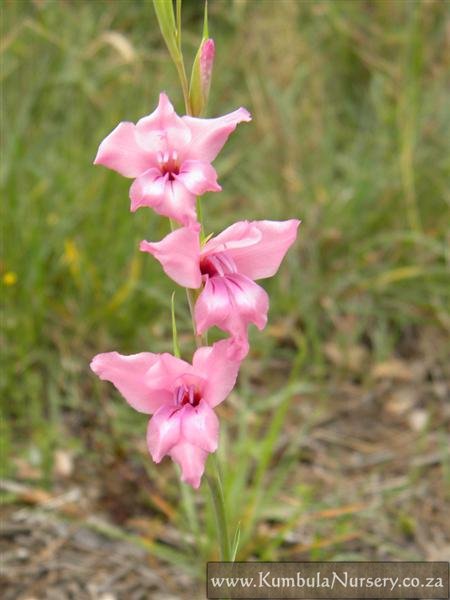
(238, 348)
(167, 197)
(178, 254)
(128, 374)
(148, 189)
(231, 303)
(179, 204)
(121, 152)
(240, 234)
(262, 258)
(213, 306)
(219, 369)
(164, 372)
(210, 135)
(163, 129)
(198, 177)
(250, 299)
(200, 426)
(191, 459)
(163, 431)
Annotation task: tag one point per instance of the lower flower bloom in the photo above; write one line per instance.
(181, 398)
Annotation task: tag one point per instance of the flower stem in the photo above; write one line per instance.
(215, 486)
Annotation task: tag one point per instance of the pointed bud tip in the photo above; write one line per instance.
(208, 51)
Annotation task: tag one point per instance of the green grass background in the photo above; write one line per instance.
(350, 134)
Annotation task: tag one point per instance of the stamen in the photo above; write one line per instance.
(179, 395)
(187, 394)
(217, 264)
(228, 263)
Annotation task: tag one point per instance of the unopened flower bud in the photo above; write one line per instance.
(207, 52)
(201, 77)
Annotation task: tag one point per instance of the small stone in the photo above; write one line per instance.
(418, 419)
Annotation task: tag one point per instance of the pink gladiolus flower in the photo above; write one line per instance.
(180, 396)
(169, 157)
(227, 264)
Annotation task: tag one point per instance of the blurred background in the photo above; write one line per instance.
(335, 443)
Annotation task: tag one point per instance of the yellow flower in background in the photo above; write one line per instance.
(71, 257)
(9, 278)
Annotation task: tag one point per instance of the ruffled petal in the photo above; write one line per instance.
(198, 177)
(169, 198)
(178, 254)
(219, 366)
(163, 431)
(121, 151)
(163, 129)
(239, 347)
(192, 460)
(149, 189)
(200, 426)
(210, 135)
(262, 258)
(128, 374)
(213, 306)
(238, 235)
(250, 300)
(164, 372)
(231, 303)
(179, 204)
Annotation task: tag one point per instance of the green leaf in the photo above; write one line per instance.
(200, 82)
(235, 543)
(205, 34)
(166, 20)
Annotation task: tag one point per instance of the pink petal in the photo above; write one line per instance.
(178, 254)
(198, 177)
(165, 371)
(238, 348)
(231, 303)
(213, 306)
(163, 129)
(167, 197)
(148, 189)
(209, 135)
(251, 300)
(163, 431)
(128, 374)
(179, 204)
(219, 368)
(263, 258)
(191, 459)
(240, 234)
(121, 152)
(200, 426)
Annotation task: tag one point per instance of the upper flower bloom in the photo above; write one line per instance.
(181, 396)
(169, 157)
(227, 264)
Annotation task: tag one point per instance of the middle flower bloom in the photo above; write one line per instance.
(227, 266)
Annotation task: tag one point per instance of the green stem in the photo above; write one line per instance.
(215, 486)
(190, 294)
